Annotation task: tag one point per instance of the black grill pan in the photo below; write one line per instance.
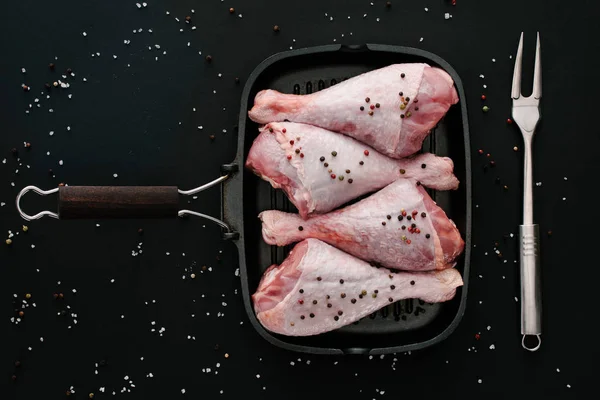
(402, 326)
(405, 325)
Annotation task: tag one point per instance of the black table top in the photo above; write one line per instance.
(144, 104)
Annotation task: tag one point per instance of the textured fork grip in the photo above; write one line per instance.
(531, 296)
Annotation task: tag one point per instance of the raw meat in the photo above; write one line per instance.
(391, 109)
(299, 159)
(319, 288)
(398, 227)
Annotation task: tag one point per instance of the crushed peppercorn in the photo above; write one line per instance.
(300, 228)
(350, 180)
(334, 153)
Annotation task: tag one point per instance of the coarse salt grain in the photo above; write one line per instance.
(84, 34)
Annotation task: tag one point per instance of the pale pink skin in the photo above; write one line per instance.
(358, 229)
(308, 183)
(316, 268)
(337, 108)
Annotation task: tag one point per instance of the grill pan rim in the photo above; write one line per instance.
(233, 210)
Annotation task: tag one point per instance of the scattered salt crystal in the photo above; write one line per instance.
(33, 246)
(516, 299)
(420, 40)
(68, 128)
(114, 56)
(138, 5)
(145, 4)
(23, 70)
(60, 162)
(447, 16)
(493, 60)
(84, 34)
(479, 381)
(564, 198)
(568, 386)
(258, 376)
(74, 290)
(489, 327)
(492, 347)
(426, 9)
(41, 339)
(565, 178)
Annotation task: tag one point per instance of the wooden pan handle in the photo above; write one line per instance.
(82, 202)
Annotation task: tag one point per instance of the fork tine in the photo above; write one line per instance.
(537, 77)
(516, 83)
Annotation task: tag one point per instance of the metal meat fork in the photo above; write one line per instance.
(526, 113)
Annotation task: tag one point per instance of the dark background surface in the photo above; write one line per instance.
(134, 117)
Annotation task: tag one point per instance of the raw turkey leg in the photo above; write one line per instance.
(398, 227)
(319, 288)
(392, 109)
(320, 170)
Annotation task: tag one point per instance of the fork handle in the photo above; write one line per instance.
(531, 297)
